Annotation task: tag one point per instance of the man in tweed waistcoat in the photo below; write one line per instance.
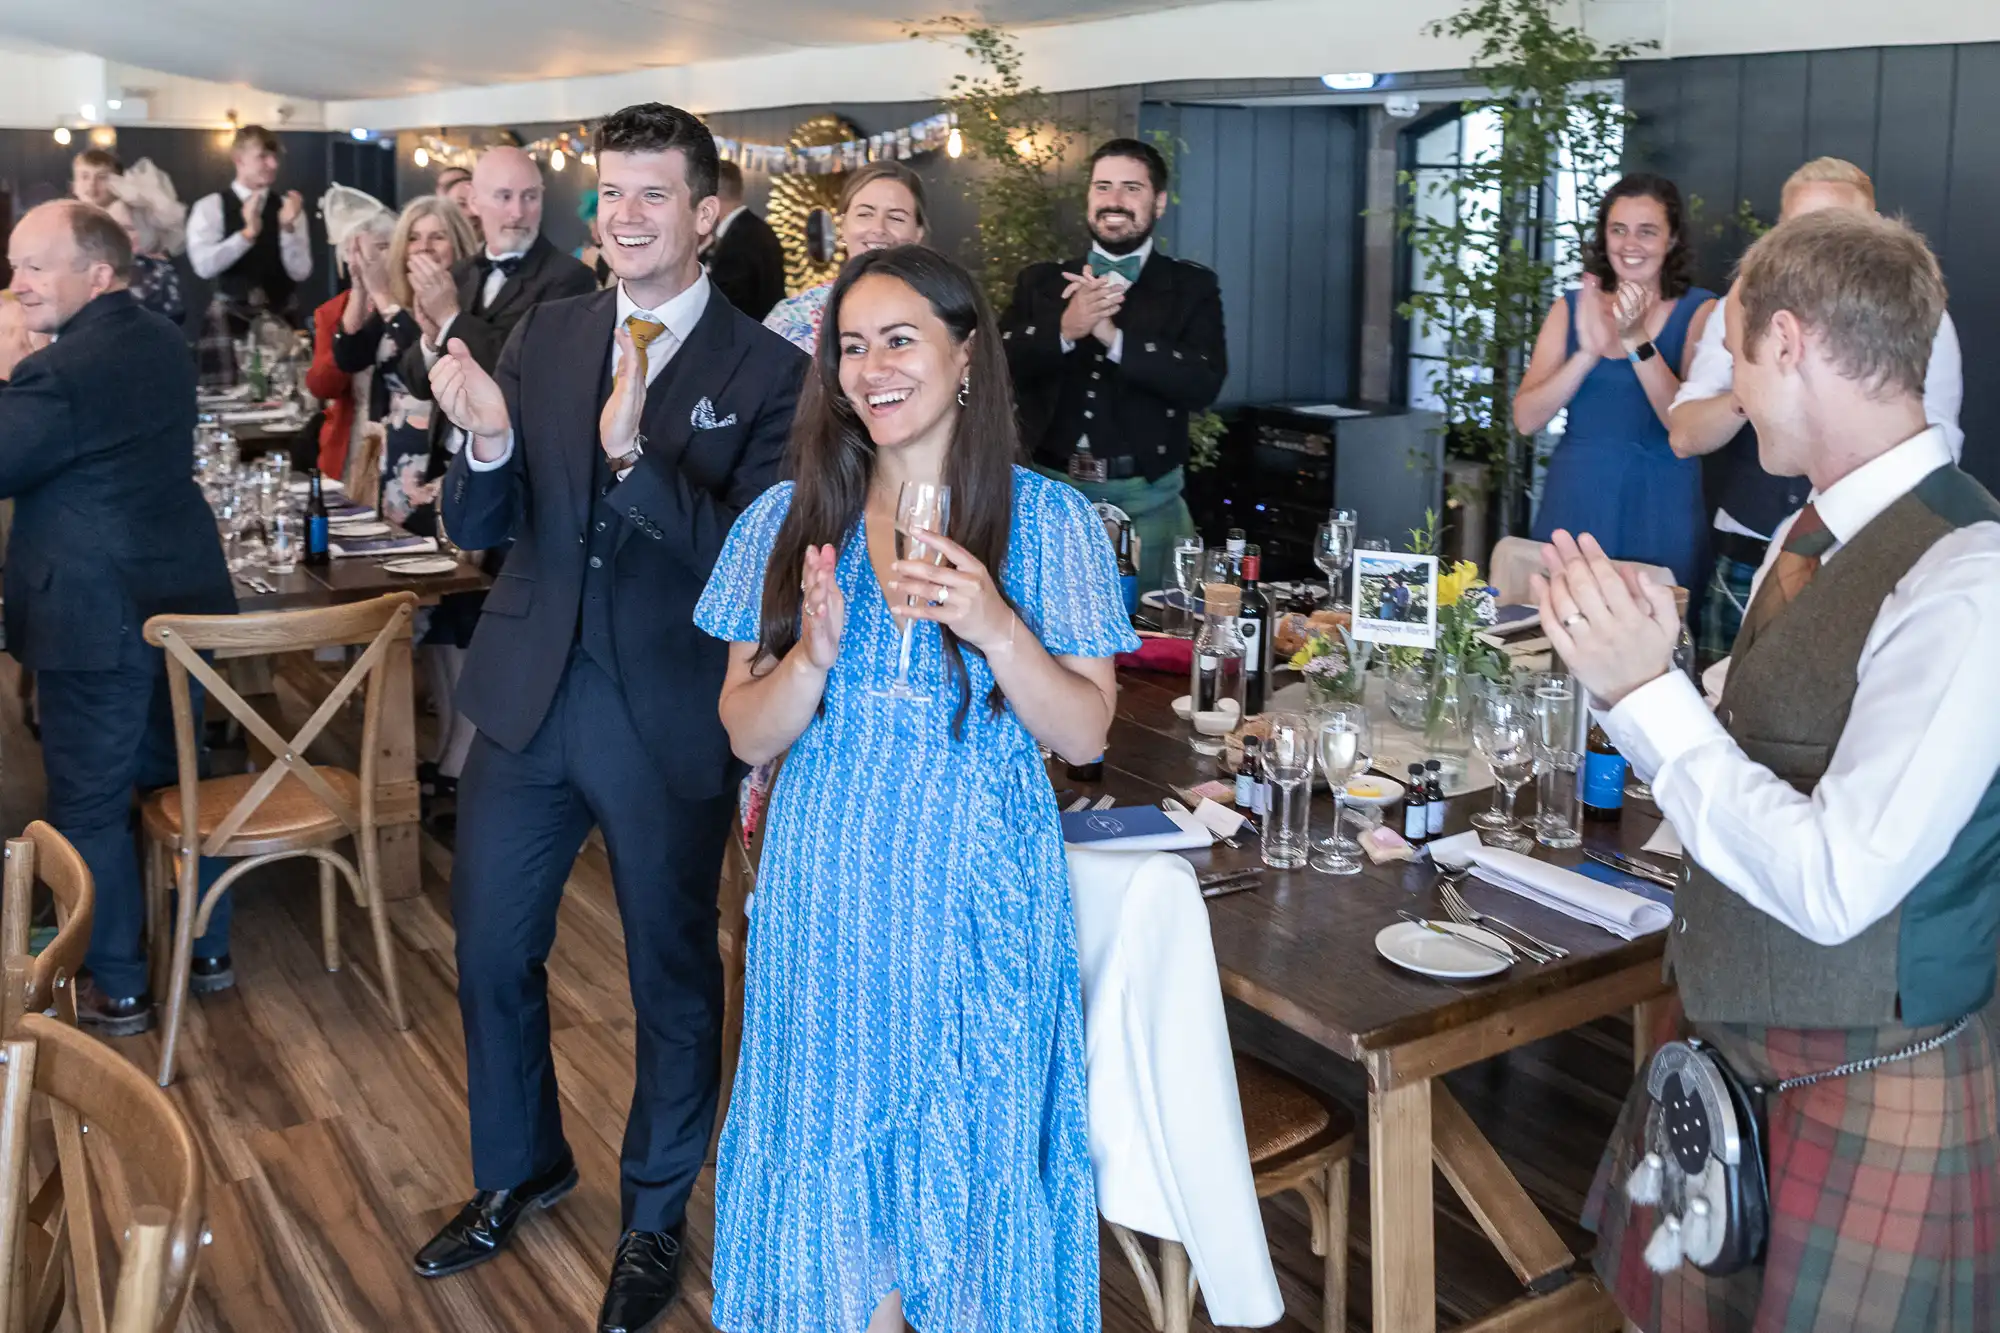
(1840, 812)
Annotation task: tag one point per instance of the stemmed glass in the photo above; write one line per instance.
(1186, 573)
(1288, 761)
(1344, 754)
(1493, 819)
(1333, 551)
(1504, 730)
(923, 506)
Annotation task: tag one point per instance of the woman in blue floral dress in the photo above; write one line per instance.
(907, 1135)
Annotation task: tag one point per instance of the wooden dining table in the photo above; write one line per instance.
(354, 579)
(1300, 948)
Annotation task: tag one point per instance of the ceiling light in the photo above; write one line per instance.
(557, 160)
(359, 133)
(954, 144)
(103, 136)
(1025, 145)
(421, 157)
(89, 110)
(114, 104)
(62, 134)
(588, 158)
(1348, 83)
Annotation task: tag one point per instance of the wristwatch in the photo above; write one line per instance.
(1645, 351)
(630, 458)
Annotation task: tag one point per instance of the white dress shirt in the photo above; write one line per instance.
(212, 253)
(1921, 745)
(1713, 373)
(1116, 352)
(680, 315)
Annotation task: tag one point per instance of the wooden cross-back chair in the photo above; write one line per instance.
(292, 809)
(126, 1164)
(46, 980)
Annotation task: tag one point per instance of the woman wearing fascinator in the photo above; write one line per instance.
(145, 205)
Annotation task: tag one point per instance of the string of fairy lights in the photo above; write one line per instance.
(559, 150)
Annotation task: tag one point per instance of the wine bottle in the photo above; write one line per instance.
(1253, 625)
(1603, 778)
(319, 535)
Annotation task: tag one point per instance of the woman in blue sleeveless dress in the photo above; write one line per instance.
(1614, 352)
(907, 1135)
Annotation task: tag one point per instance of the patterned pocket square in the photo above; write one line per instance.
(703, 417)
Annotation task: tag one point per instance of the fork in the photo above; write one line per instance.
(1465, 914)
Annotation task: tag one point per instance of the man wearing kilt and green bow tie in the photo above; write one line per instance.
(1834, 938)
(1113, 353)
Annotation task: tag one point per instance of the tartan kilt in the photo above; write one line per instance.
(1885, 1194)
(215, 351)
(1722, 608)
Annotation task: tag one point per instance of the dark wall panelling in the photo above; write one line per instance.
(1270, 198)
(1919, 119)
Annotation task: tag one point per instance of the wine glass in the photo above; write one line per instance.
(1333, 551)
(1493, 819)
(1503, 728)
(1288, 761)
(1344, 753)
(923, 506)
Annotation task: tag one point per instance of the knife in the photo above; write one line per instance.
(1643, 870)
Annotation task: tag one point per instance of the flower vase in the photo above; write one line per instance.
(1446, 734)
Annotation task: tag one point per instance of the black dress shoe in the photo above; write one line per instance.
(112, 1015)
(206, 976)
(645, 1278)
(483, 1227)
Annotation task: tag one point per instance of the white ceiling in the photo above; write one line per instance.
(354, 49)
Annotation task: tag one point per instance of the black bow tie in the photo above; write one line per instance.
(508, 266)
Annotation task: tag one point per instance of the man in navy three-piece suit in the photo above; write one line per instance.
(623, 433)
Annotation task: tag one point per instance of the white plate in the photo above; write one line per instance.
(421, 564)
(1374, 792)
(1407, 944)
(360, 528)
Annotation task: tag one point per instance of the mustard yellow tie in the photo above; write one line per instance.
(644, 331)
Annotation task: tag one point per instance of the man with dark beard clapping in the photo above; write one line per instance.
(1114, 352)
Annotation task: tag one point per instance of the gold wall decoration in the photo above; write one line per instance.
(796, 197)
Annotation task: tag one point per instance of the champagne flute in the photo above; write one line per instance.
(923, 506)
(1504, 730)
(1179, 617)
(1343, 756)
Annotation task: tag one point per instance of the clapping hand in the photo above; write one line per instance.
(434, 293)
(618, 423)
(1615, 631)
(825, 610)
(292, 209)
(467, 394)
(959, 593)
(1596, 326)
(253, 215)
(1093, 305)
(1630, 311)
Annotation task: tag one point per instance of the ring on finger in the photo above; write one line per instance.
(1575, 618)
(943, 594)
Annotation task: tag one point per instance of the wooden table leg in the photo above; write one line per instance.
(396, 778)
(1652, 1022)
(1495, 1198)
(1402, 1243)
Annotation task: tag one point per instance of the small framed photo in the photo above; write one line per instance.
(1395, 598)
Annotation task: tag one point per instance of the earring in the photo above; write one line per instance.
(965, 390)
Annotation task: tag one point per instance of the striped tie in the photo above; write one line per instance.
(1808, 540)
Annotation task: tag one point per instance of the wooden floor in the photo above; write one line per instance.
(337, 1145)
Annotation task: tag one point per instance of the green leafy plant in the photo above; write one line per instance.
(1205, 432)
(1485, 240)
(1011, 127)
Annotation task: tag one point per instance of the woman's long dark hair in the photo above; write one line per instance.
(832, 460)
(1677, 270)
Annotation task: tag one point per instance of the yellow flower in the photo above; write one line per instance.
(1301, 657)
(1454, 584)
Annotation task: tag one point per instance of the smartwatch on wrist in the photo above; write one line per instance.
(1645, 351)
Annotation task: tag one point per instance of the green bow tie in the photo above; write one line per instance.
(1126, 266)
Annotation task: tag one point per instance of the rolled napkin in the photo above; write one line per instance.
(397, 543)
(1626, 915)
